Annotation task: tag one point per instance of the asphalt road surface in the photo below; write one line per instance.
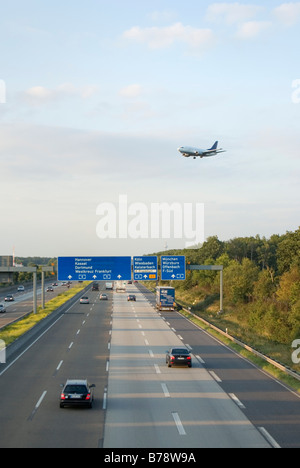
(222, 401)
(76, 346)
(23, 301)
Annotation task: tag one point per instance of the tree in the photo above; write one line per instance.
(288, 252)
(239, 280)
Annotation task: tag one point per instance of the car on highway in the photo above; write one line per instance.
(9, 298)
(131, 297)
(21, 289)
(49, 289)
(2, 309)
(77, 392)
(84, 300)
(103, 297)
(178, 356)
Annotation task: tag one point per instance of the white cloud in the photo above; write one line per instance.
(231, 13)
(39, 94)
(288, 13)
(131, 91)
(159, 38)
(252, 29)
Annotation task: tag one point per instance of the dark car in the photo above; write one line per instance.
(50, 289)
(9, 298)
(131, 297)
(178, 356)
(77, 393)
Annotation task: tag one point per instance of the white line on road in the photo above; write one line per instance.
(269, 437)
(200, 359)
(146, 342)
(78, 331)
(180, 337)
(40, 400)
(157, 369)
(178, 424)
(236, 400)
(151, 353)
(165, 390)
(59, 365)
(214, 376)
(104, 406)
(71, 344)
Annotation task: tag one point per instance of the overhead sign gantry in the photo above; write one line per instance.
(94, 268)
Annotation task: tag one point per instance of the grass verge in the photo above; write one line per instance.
(13, 331)
(259, 362)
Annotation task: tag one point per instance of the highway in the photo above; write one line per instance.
(23, 301)
(222, 401)
(152, 406)
(76, 346)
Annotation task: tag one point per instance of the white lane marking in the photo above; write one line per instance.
(269, 437)
(146, 342)
(107, 365)
(157, 369)
(78, 331)
(200, 359)
(104, 406)
(214, 376)
(71, 344)
(179, 424)
(180, 337)
(165, 390)
(30, 346)
(59, 365)
(40, 400)
(237, 401)
(151, 353)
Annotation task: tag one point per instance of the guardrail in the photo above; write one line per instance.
(275, 363)
(37, 329)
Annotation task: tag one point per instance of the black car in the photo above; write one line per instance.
(77, 393)
(178, 356)
(131, 297)
(9, 298)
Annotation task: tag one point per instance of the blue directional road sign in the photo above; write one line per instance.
(94, 268)
(173, 267)
(145, 268)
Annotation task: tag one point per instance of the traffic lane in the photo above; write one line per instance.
(29, 417)
(150, 405)
(23, 304)
(267, 402)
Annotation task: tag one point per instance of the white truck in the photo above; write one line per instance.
(109, 286)
(120, 286)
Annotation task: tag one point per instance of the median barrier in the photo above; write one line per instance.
(35, 332)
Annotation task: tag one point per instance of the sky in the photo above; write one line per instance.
(95, 99)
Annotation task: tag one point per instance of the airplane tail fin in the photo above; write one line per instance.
(214, 146)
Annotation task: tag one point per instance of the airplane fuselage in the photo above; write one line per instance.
(191, 151)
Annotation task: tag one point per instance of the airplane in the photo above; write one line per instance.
(188, 151)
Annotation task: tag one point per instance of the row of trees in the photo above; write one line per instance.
(23, 277)
(261, 278)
